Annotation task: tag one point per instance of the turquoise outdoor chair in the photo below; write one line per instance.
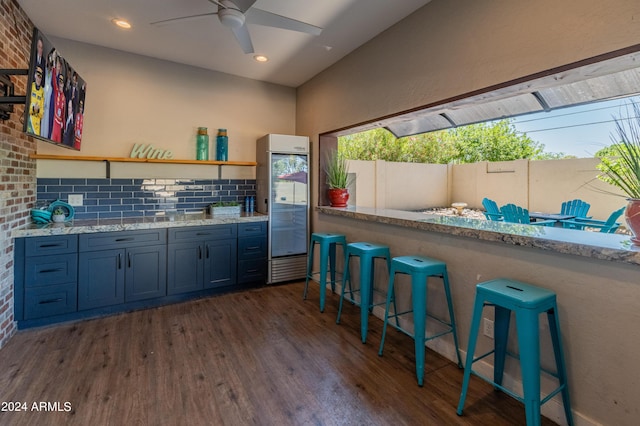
(517, 214)
(609, 226)
(491, 210)
(577, 208)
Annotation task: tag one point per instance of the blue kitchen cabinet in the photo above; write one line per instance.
(200, 258)
(67, 277)
(46, 276)
(252, 253)
(121, 267)
(101, 278)
(220, 263)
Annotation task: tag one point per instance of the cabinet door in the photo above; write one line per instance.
(101, 278)
(145, 276)
(220, 260)
(184, 267)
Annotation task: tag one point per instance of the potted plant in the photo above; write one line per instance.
(224, 208)
(621, 166)
(58, 215)
(337, 170)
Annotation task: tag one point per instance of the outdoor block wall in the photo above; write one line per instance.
(535, 185)
(17, 170)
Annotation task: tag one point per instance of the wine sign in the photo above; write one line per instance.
(149, 151)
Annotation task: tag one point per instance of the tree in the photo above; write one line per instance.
(493, 141)
(497, 141)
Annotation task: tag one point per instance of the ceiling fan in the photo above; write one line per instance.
(235, 14)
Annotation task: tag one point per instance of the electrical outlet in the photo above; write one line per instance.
(75, 199)
(488, 328)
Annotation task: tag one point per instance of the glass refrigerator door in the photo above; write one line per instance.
(289, 177)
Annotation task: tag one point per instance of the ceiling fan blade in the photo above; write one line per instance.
(268, 19)
(218, 4)
(186, 18)
(243, 5)
(243, 37)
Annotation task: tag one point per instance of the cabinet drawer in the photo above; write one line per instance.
(200, 233)
(252, 229)
(43, 271)
(51, 300)
(252, 248)
(122, 239)
(61, 244)
(252, 270)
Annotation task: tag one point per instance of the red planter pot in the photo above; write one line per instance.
(632, 217)
(338, 197)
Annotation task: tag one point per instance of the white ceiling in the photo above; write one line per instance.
(204, 42)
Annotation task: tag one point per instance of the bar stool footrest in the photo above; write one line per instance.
(315, 276)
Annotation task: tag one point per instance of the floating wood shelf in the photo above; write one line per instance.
(140, 160)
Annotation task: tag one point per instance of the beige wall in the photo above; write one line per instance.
(554, 181)
(452, 47)
(502, 181)
(404, 186)
(135, 99)
(535, 185)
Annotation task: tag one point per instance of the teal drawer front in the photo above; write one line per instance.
(252, 271)
(51, 270)
(110, 240)
(201, 233)
(252, 248)
(49, 301)
(252, 229)
(39, 246)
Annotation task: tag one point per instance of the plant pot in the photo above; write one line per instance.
(338, 197)
(58, 218)
(632, 217)
(225, 211)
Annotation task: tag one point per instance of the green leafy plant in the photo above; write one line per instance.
(225, 204)
(622, 168)
(59, 211)
(337, 170)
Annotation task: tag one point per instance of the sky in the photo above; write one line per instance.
(579, 131)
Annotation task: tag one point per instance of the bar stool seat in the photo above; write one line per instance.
(527, 302)
(420, 268)
(367, 252)
(327, 242)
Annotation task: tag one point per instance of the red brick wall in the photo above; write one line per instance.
(17, 170)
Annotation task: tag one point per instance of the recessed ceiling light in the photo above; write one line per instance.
(260, 58)
(121, 23)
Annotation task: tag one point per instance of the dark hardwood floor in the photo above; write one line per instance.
(261, 357)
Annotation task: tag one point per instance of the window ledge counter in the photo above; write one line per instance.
(610, 247)
(131, 224)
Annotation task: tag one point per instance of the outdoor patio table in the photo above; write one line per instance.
(550, 216)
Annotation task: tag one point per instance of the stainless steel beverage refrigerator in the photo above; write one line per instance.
(282, 192)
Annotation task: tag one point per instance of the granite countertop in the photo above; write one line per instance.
(612, 247)
(130, 224)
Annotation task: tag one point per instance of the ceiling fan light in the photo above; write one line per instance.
(231, 18)
(260, 58)
(121, 23)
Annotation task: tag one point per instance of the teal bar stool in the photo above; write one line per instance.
(420, 269)
(367, 252)
(327, 244)
(527, 302)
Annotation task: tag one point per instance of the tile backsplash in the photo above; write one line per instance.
(118, 198)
